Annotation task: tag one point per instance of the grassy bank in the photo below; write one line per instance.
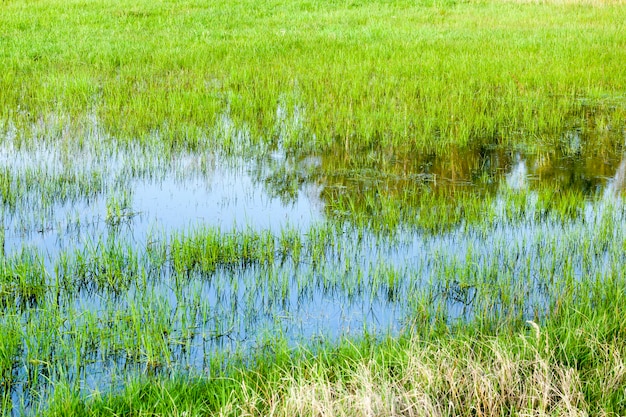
(572, 364)
(413, 75)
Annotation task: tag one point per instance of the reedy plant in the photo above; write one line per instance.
(416, 75)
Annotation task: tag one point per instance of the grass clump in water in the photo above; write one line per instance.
(206, 249)
(23, 279)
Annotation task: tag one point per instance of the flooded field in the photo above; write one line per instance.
(123, 260)
(312, 208)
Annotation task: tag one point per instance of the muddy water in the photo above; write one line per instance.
(71, 202)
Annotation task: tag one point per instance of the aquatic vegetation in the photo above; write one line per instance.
(526, 372)
(22, 279)
(267, 207)
(127, 301)
(174, 302)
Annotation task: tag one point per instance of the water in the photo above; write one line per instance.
(101, 217)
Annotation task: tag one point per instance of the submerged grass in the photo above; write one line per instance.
(572, 364)
(414, 75)
(212, 310)
(378, 103)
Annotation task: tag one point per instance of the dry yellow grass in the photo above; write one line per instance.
(464, 378)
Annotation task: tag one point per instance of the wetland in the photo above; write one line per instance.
(387, 208)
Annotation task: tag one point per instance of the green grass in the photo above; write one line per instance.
(571, 364)
(412, 75)
(150, 315)
(408, 114)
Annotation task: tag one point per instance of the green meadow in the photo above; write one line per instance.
(400, 74)
(312, 208)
